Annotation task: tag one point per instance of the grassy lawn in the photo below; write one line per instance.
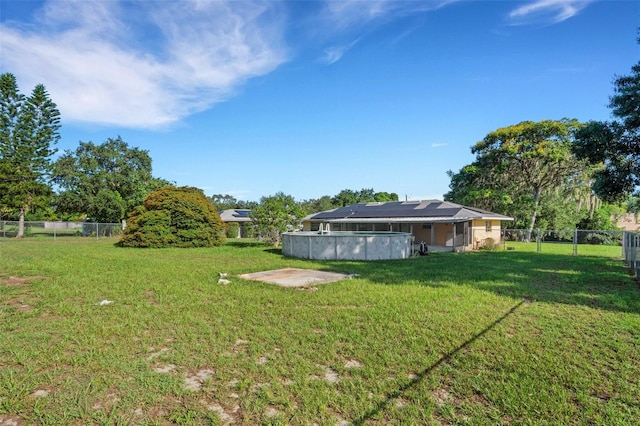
(506, 337)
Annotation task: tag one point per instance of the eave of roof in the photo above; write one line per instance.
(441, 219)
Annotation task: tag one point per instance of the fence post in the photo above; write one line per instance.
(630, 257)
(575, 242)
(636, 244)
(630, 250)
(538, 241)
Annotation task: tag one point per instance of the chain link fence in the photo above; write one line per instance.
(50, 229)
(571, 238)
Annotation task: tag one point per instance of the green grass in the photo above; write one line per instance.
(475, 338)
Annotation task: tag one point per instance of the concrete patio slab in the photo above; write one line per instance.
(293, 277)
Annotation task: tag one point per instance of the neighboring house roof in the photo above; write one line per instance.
(235, 215)
(405, 211)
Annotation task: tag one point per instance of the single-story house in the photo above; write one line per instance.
(627, 222)
(442, 225)
(239, 216)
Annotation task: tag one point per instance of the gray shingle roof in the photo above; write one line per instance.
(235, 215)
(426, 210)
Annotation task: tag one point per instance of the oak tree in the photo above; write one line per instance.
(616, 145)
(105, 182)
(518, 166)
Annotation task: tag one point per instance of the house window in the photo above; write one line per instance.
(487, 226)
(426, 226)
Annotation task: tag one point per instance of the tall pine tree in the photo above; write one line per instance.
(29, 128)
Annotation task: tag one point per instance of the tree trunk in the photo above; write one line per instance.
(534, 214)
(21, 224)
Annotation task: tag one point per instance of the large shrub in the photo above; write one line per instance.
(174, 217)
(276, 214)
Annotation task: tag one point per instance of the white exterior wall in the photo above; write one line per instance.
(346, 247)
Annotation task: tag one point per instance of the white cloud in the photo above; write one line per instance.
(149, 64)
(438, 145)
(349, 13)
(349, 17)
(346, 13)
(547, 11)
(95, 62)
(334, 53)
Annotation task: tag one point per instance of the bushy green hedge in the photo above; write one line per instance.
(174, 217)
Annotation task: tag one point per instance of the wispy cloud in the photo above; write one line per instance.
(347, 13)
(90, 56)
(351, 13)
(354, 18)
(334, 53)
(149, 64)
(438, 145)
(547, 11)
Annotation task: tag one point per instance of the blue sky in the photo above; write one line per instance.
(311, 97)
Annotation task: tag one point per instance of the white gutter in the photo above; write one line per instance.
(440, 219)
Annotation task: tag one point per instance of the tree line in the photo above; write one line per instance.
(107, 182)
(559, 174)
(279, 213)
(529, 171)
(346, 197)
(103, 182)
(551, 174)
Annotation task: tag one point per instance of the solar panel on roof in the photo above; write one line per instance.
(392, 209)
(402, 209)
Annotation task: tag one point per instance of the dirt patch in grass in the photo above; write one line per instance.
(194, 382)
(352, 363)
(6, 420)
(330, 375)
(157, 353)
(442, 397)
(169, 368)
(151, 295)
(17, 281)
(228, 416)
(18, 304)
(40, 393)
(107, 402)
(157, 412)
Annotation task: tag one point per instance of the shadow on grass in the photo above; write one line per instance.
(239, 243)
(598, 282)
(382, 405)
